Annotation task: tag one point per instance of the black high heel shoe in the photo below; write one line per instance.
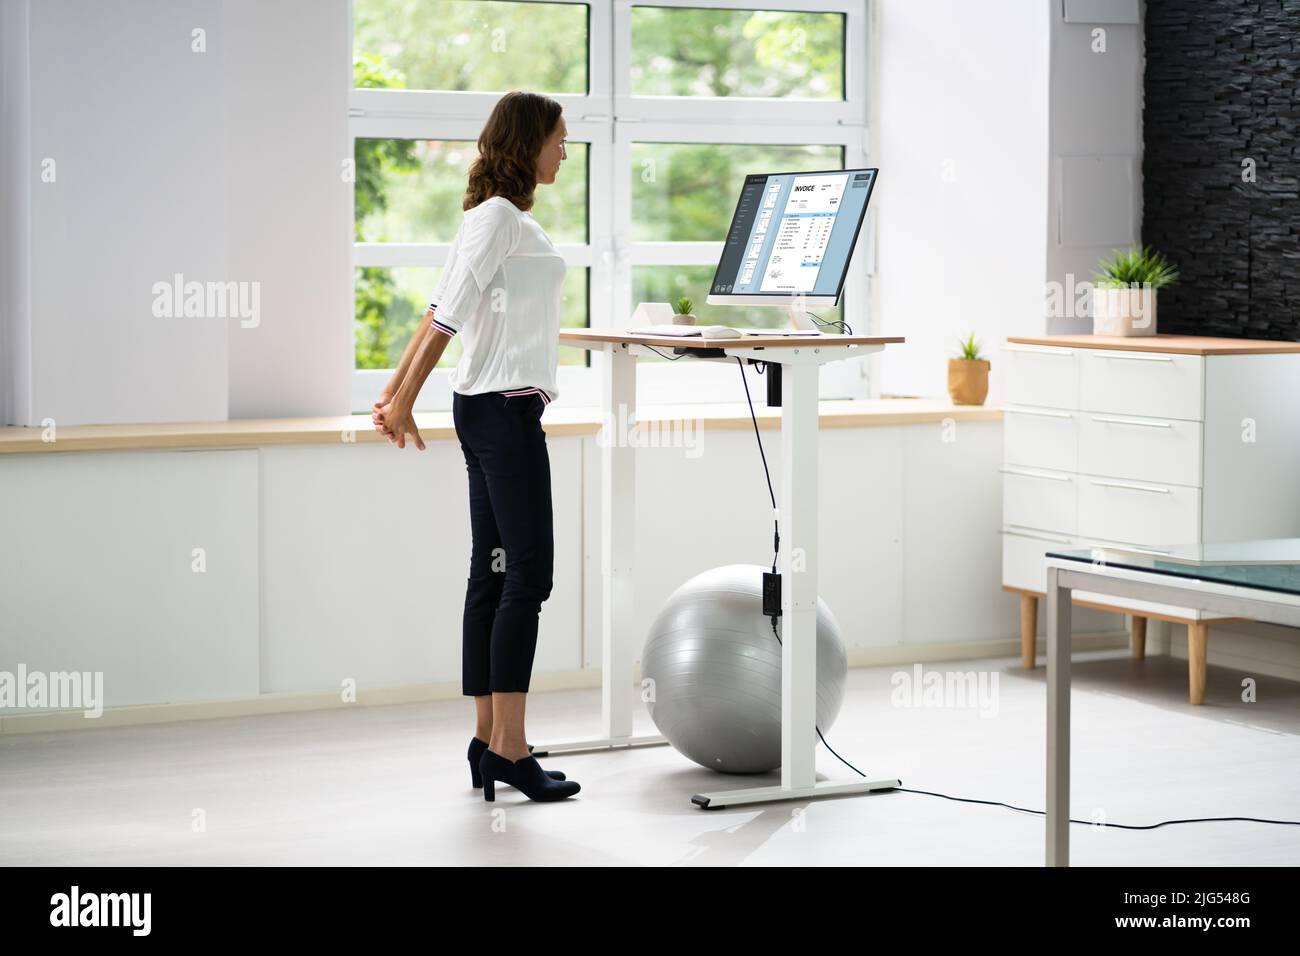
(476, 748)
(526, 776)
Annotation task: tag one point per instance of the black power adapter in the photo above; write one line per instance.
(772, 594)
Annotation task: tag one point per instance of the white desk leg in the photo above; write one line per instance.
(1058, 722)
(619, 629)
(798, 567)
(618, 526)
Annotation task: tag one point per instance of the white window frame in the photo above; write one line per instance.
(610, 120)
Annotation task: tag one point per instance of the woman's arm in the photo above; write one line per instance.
(396, 419)
(417, 364)
(412, 347)
(395, 382)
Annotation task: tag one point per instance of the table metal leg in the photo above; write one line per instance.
(618, 625)
(798, 567)
(1058, 721)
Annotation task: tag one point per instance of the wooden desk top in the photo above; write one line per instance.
(586, 337)
(1179, 344)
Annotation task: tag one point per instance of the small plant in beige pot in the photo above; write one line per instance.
(1124, 295)
(683, 316)
(968, 374)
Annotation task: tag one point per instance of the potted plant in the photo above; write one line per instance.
(1124, 296)
(683, 316)
(968, 374)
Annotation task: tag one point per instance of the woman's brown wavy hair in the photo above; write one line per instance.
(514, 134)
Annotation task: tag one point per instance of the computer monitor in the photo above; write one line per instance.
(791, 238)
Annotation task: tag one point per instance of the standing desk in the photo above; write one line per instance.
(1255, 580)
(796, 359)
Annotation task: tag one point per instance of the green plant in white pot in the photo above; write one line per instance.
(1124, 295)
(683, 316)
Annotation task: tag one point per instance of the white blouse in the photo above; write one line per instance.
(502, 290)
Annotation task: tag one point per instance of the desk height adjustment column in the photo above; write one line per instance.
(619, 629)
(773, 373)
(798, 564)
(617, 530)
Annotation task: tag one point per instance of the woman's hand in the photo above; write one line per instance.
(398, 422)
(385, 397)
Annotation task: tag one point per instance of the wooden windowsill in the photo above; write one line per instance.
(437, 426)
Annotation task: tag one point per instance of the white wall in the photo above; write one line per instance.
(1095, 142)
(121, 571)
(1010, 149)
(289, 73)
(296, 538)
(909, 550)
(222, 165)
(15, 214)
(330, 535)
(125, 112)
(961, 138)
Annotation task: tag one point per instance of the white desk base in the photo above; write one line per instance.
(1064, 576)
(798, 529)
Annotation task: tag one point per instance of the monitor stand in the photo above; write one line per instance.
(799, 317)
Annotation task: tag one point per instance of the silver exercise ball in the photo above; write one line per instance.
(716, 671)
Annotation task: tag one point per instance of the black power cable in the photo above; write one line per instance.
(844, 327)
(930, 793)
(1117, 826)
(776, 523)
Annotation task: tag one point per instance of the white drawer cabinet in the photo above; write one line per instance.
(1040, 437)
(1138, 512)
(1036, 498)
(1022, 556)
(1041, 376)
(1148, 443)
(1144, 449)
(1141, 383)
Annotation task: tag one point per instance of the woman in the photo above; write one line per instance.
(501, 290)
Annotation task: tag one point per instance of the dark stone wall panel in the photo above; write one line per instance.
(1222, 79)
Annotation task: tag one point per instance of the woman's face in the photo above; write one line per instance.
(552, 154)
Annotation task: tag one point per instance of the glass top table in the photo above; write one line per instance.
(1266, 565)
(1254, 580)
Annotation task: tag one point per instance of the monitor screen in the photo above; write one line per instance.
(792, 235)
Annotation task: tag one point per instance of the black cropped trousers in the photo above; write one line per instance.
(513, 553)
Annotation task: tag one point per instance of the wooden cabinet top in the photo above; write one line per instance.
(1181, 344)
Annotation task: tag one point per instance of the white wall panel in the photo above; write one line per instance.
(98, 571)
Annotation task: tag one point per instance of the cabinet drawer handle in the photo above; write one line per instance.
(1130, 421)
(1124, 484)
(1036, 411)
(1024, 473)
(1137, 358)
(1036, 536)
(1038, 350)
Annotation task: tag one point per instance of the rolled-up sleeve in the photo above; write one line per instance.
(488, 234)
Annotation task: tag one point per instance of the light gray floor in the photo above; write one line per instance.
(391, 785)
